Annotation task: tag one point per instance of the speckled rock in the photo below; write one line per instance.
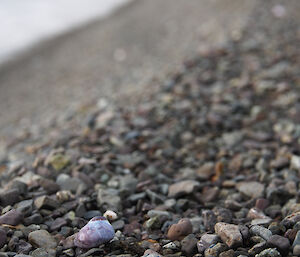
(229, 233)
(261, 231)
(282, 244)
(270, 252)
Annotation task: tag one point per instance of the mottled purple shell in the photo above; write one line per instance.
(96, 232)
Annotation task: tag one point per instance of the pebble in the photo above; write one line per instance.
(151, 253)
(9, 197)
(251, 189)
(189, 245)
(261, 231)
(42, 239)
(68, 183)
(110, 198)
(206, 171)
(13, 218)
(57, 224)
(215, 250)
(296, 250)
(282, 244)
(110, 215)
(3, 237)
(229, 233)
(25, 207)
(58, 161)
(33, 219)
(206, 241)
(180, 230)
(297, 239)
(270, 252)
(183, 188)
(45, 202)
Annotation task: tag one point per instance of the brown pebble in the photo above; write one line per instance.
(180, 230)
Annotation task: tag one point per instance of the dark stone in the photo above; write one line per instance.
(33, 219)
(13, 218)
(281, 243)
(3, 237)
(9, 197)
(91, 214)
(189, 245)
(23, 247)
(57, 224)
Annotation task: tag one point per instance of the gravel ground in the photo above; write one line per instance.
(206, 164)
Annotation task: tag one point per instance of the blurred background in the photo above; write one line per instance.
(58, 55)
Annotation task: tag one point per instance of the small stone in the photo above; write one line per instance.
(261, 231)
(209, 219)
(206, 241)
(110, 198)
(251, 189)
(119, 224)
(91, 214)
(160, 214)
(228, 253)
(229, 233)
(206, 171)
(33, 219)
(261, 204)
(9, 197)
(215, 250)
(13, 218)
(282, 244)
(42, 239)
(296, 250)
(180, 230)
(110, 215)
(68, 183)
(270, 252)
(57, 224)
(189, 245)
(42, 252)
(49, 185)
(255, 213)
(151, 253)
(58, 161)
(153, 223)
(291, 220)
(297, 239)
(257, 248)
(295, 162)
(25, 207)
(3, 237)
(45, 202)
(23, 247)
(183, 188)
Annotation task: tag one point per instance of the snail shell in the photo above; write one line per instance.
(96, 232)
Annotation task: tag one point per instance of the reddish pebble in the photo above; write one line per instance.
(180, 230)
(261, 204)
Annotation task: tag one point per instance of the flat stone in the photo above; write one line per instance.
(25, 207)
(42, 252)
(13, 218)
(229, 233)
(45, 202)
(261, 231)
(58, 161)
(109, 197)
(189, 245)
(57, 224)
(215, 250)
(251, 189)
(42, 239)
(9, 197)
(206, 171)
(282, 244)
(183, 188)
(68, 183)
(206, 241)
(33, 219)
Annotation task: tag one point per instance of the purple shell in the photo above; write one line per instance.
(96, 232)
